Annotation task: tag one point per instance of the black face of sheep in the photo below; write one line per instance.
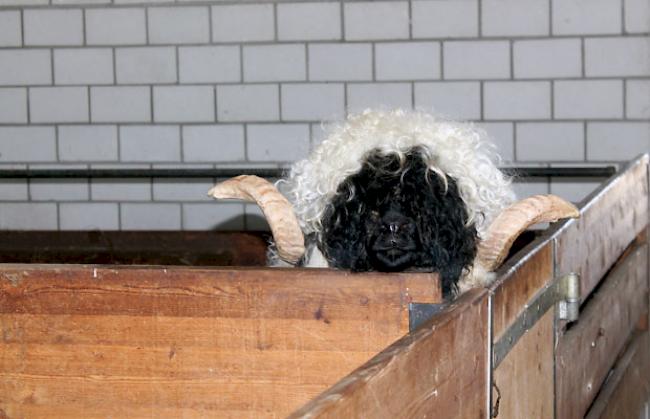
(399, 215)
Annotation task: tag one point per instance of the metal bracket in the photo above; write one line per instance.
(421, 312)
(564, 290)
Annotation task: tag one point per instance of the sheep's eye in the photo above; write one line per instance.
(374, 215)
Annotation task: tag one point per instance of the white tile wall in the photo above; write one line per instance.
(376, 20)
(547, 58)
(45, 104)
(340, 62)
(25, 67)
(309, 21)
(83, 66)
(444, 18)
(120, 104)
(89, 216)
(586, 17)
(638, 99)
(455, 100)
(423, 59)
(312, 102)
(163, 83)
(517, 100)
(284, 62)
(145, 65)
(13, 105)
(179, 25)
(607, 57)
(213, 143)
(119, 26)
(10, 29)
(476, 59)
(363, 96)
(209, 64)
(183, 104)
(241, 102)
(87, 143)
(588, 99)
(53, 27)
(550, 141)
(150, 143)
(515, 17)
(244, 22)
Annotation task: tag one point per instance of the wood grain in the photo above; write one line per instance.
(92, 341)
(586, 352)
(525, 376)
(627, 389)
(518, 283)
(440, 370)
(609, 220)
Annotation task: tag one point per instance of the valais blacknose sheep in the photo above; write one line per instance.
(395, 191)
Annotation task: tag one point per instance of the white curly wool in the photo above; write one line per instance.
(459, 150)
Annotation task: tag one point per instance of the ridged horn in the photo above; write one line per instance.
(277, 210)
(515, 219)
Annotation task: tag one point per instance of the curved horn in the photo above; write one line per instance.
(515, 219)
(277, 210)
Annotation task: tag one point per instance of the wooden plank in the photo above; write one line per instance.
(525, 376)
(609, 220)
(196, 248)
(586, 352)
(91, 341)
(627, 390)
(518, 282)
(441, 369)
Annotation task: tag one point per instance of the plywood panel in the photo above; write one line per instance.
(609, 220)
(627, 390)
(525, 376)
(87, 341)
(518, 285)
(440, 370)
(586, 352)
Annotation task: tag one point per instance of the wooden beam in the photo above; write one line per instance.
(609, 220)
(441, 369)
(627, 390)
(586, 352)
(92, 341)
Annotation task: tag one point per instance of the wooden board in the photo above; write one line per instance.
(517, 284)
(196, 248)
(627, 390)
(586, 352)
(438, 371)
(609, 220)
(525, 376)
(88, 341)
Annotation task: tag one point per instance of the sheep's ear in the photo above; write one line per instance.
(514, 220)
(277, 210)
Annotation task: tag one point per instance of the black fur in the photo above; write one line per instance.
(395, 216)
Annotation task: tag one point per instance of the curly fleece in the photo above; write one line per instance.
(458, 150)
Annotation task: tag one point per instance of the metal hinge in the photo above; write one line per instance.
(565, 291)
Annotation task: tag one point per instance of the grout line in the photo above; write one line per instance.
(83, 26)
(480, 19)
(582, 57)
(585, 142)
(373, 61)
(22, 28)
(410, 19)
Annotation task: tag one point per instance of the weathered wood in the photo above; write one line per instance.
(609, 220)
(586, 352)
(525, 376)
(517, 284)
(440, 370)
(627, 389)
(88, 341)
(197, 248)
